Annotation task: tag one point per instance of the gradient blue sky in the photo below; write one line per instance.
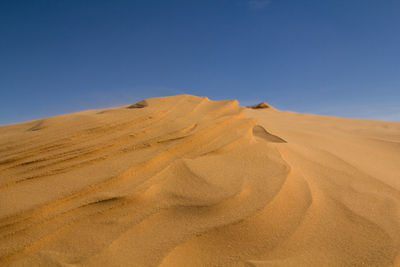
(335, 57)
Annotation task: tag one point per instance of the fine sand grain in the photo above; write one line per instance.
(186, 181)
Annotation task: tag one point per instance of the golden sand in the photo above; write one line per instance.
(186, 181)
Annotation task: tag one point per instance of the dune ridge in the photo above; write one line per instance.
(186, 181)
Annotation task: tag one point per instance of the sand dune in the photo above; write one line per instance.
(186, 181)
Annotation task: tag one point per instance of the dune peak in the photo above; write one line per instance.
(140, 104)
(262, 105)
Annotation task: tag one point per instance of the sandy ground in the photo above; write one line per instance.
(186, 181)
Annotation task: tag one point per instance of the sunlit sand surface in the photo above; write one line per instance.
(186, 181)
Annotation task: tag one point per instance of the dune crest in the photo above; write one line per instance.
(186, 181)
(262, 105)
(140, 104)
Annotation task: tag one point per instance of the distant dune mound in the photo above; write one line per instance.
(261, 105)
(140, 104)
(187, 181)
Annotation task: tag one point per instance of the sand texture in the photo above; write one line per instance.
(186, 181)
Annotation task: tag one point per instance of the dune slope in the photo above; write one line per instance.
(186, 181)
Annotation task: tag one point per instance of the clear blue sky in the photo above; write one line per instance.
(336, 57)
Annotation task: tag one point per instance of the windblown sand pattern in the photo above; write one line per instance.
(186, 181)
